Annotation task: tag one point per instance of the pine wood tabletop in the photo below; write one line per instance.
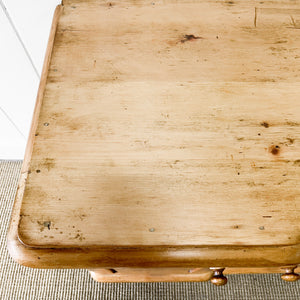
(165, 134)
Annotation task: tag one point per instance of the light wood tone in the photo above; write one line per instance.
(169, 274)
(15, 247)
(164, 135)
(150, 275)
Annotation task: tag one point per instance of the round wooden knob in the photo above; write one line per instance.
(218, 278)
(290, 275)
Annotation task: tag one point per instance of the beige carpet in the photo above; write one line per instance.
(17, 282)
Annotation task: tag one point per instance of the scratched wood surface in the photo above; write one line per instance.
(168, 123)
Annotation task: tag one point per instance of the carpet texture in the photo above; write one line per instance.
(17, 282)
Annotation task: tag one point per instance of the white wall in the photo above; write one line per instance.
(20, 71)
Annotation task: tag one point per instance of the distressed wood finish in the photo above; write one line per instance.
(165, 135)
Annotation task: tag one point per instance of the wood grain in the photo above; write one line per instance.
(172, 126)
(150, 275)
(168, 274)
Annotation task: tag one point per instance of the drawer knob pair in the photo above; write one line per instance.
(219, 279)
